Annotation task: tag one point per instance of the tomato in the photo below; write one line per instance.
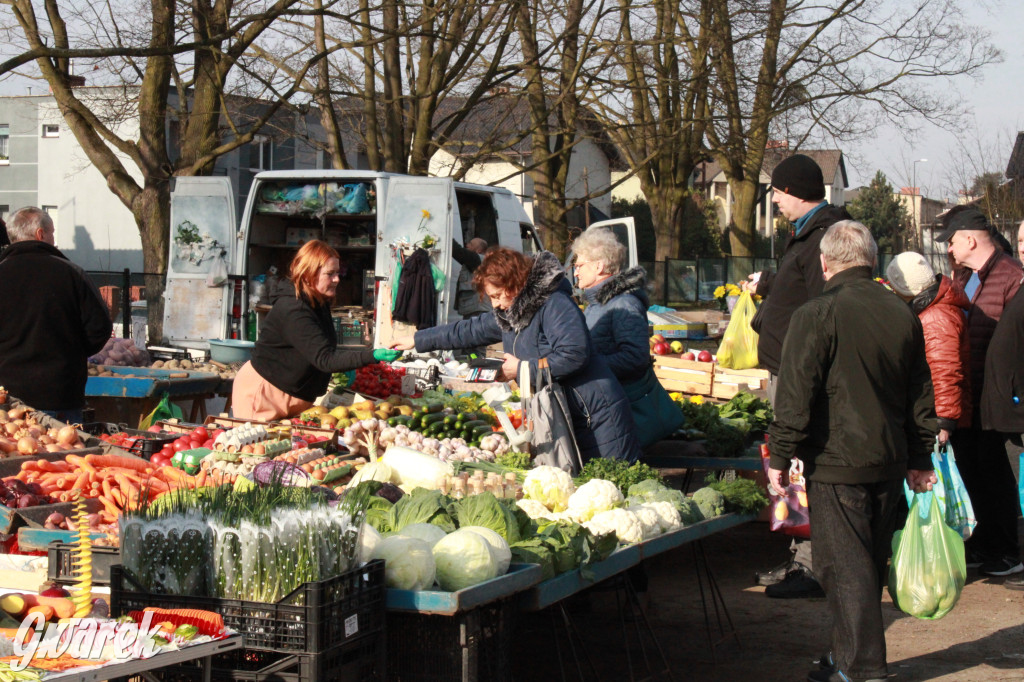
(208, 443)
(216, 432)
(200, 434)
(160, 459)
(167, 450)
(182, 444)
(154, 429)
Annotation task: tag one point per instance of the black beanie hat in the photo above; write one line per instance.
(800, 177)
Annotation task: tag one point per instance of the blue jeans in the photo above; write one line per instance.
(853, 528)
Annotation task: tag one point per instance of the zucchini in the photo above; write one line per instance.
(432, 407)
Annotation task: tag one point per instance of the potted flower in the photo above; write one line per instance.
(727, 295)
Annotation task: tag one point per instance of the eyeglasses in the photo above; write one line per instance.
(579, 265)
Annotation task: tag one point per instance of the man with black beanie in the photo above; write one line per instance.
(798, 189)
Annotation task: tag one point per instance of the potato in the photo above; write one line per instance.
(158, 364)
(186, 364)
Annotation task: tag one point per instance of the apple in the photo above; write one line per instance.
(676, 346)
(704, 356)
(661, 348)
(689, 356)
(658, 338)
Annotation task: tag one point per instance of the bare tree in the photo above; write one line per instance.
(835, 68)
(169, 60)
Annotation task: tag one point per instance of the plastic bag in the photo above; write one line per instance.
(789, 512)
(928, 568)
(739, 344)
(950, 491)
(218, 273)
(355, 200)
(164, 409)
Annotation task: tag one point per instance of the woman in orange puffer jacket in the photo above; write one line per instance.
(941, 305)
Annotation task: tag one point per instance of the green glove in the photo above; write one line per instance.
(386, 354)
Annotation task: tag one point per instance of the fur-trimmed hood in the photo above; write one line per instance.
(632, 281)
(544, 279)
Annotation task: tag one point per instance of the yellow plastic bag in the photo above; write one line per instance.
(165, 409)
(739, 344)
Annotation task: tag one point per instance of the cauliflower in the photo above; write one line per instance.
(710, 501)
(689, 512)
(594, 496)
(622, 522)
(668, 515)
(550, 486)
(649, 522)
(534, 509)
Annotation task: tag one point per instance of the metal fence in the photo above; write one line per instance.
(124, 293)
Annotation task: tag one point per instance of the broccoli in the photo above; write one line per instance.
(689, 512)
(710, 501)
(654, 491)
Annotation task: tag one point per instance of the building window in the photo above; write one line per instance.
(51, 130)
(261, 153)
(5, 136)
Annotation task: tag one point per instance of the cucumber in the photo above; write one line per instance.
(474, 424)
(466, 416)
(432, 418)
(399, 419)
(432, 407)
(483, 430)
(450, 420)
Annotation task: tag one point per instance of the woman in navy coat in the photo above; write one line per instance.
(535, 317)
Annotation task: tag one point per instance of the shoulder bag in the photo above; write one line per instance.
(547, 415)
(655, 414)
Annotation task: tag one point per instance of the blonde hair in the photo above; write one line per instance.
(601, 245)
(306, 267)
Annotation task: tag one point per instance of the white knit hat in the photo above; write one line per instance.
(909, 274)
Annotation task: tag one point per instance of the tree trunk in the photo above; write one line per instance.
(667, 210)
(744, 216)
(152, 210)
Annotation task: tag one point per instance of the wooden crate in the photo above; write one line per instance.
(728, 382)
(684, 376)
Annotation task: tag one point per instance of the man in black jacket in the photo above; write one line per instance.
(52, 319)
(855, 403)
(798, 189)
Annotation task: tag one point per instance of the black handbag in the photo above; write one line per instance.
(656, 415)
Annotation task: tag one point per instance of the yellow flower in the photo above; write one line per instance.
(720, 292)
(426, 214)
(675, 395)
(697, 399)
(733, 290)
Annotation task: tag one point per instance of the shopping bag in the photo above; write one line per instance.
(218, 273)
(656, 415)
(928, 568)
(789, 513)
(950, 491)
(739, 343)
(164, 409)
(547, 416)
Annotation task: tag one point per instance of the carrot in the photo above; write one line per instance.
(47, 611)
(44, 465)
(119, 499)
(173, 476)
(110, 507)
(201, 478)
(79, 461)
(208, 622)
(106, 487)
(122, 461)
(30, 465)
(127, 487)
(82, 482)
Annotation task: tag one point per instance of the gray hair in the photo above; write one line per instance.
(23, 223)
(600, 244)
(848, 244)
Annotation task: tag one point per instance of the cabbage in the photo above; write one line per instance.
(427, 532)
(409, 563)
(485, 510)
(498, 545)
(422, 506)
(463, 559)
(374, 471)
(550, 486)
(369, 538)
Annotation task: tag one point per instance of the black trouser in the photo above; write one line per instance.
(853, 527)
(983, 463)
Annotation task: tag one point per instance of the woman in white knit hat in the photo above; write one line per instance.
(941, 305)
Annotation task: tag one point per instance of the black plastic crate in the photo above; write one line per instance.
(146, 445)
(473, 646)
(362, 660)
(59, 566)
(313, 618)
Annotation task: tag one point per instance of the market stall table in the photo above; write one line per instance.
(143, 666)
(691, 456)
(135, 391)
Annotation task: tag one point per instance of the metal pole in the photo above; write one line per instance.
(126, 304)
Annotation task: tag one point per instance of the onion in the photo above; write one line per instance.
(11, 428)
(55, 518)
(46, 440)
(3, 416)
(67, 436)
(53, 447)
(7, 445)
(35, 432)
(28, 445)
(16, 413)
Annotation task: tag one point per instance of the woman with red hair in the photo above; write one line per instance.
(297, 350)
(533, 314)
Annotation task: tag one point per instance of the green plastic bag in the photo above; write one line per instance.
(164, 409)
(739, 343)
(928, 568)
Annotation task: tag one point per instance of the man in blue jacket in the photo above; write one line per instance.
(855, 403)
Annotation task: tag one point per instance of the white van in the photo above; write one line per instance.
(369, 217)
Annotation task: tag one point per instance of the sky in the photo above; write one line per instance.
(998, 114)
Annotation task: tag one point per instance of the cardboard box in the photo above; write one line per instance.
(297, 236)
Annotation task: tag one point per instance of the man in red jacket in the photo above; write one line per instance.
(990, 278)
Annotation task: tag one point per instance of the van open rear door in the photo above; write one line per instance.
(625, 231)
(203, 239)
(415, 208)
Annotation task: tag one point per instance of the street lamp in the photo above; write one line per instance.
(914, 194)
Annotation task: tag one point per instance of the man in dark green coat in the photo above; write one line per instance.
(854, 402)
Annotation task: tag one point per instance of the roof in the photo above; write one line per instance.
(1015, 166)
(829, 160)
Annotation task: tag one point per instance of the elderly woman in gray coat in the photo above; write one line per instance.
(616, 315)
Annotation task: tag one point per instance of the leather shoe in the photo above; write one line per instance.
(798, 584)
(775, 575)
